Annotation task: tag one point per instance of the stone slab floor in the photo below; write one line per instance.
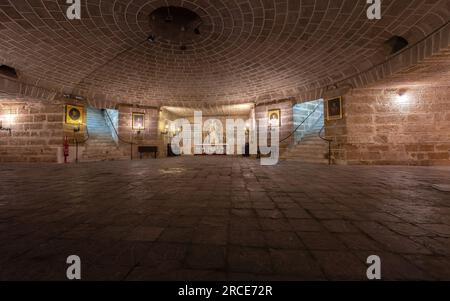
(218, 218)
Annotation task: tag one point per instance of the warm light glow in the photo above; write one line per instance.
(241, 107)
(273, 122)
(7, 119)
(402, 99)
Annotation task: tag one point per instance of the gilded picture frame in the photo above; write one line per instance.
(334, 108)
(274, 117)
(74, 115)
(138, 121)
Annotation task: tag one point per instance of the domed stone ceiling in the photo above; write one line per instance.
(243, 51)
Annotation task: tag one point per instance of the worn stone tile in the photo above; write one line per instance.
(275, 224)
(296, 213)
(164, 256)
(242, 223)
(439, 229)
(395, 267)
(206, 257)
(400, 244)
(112, 233)
(339, 226)
(282, 240)
(243, 212)
(340, 265)
(180, 235)
(210, 235)
(306, 225)
(81, 231)
(371, 227)
(407, 229)
(320, 241)
(324, 214)
(124, 253)
(436, 245)
(168, 225)
(144, 233)
(214, 221)
(437, 266)
(271, 213)
(357, 241)
(249, 260)
(247, 238)
(184, 221)
(296, 263)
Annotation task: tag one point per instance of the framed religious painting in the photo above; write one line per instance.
(274, 117)
(74, 114)
(334, 108)
(138, 122)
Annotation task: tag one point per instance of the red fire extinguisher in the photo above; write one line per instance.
(66, 149)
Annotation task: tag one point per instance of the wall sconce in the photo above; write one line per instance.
(4, 129)
(9, 119)
(166, 130)
(402, 98)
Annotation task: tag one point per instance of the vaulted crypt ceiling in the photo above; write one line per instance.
(228, 51)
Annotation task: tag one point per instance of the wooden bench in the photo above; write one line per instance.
(148, 149)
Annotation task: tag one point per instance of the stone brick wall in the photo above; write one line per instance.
(379, 127)
(150, 136)
(37, 131)
(287, 122)
(68, 128)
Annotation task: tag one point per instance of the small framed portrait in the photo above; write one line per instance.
(74, 114)
(274, 117)
(138, 121)
(334, 108)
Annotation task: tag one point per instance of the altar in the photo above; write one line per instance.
(210, 149)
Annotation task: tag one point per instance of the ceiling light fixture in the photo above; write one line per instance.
(178, 26)
(151, 38)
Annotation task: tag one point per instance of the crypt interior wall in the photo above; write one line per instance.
(287, 120)
(150, 136)
(37, 131)
(379, 127)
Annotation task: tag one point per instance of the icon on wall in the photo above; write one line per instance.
(74, 114)
(275, 117)
(334, 108)
(138, 121)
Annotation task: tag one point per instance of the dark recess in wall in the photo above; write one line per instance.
(8, 71)
(395, 44)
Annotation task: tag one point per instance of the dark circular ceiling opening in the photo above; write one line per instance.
(176, 25)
